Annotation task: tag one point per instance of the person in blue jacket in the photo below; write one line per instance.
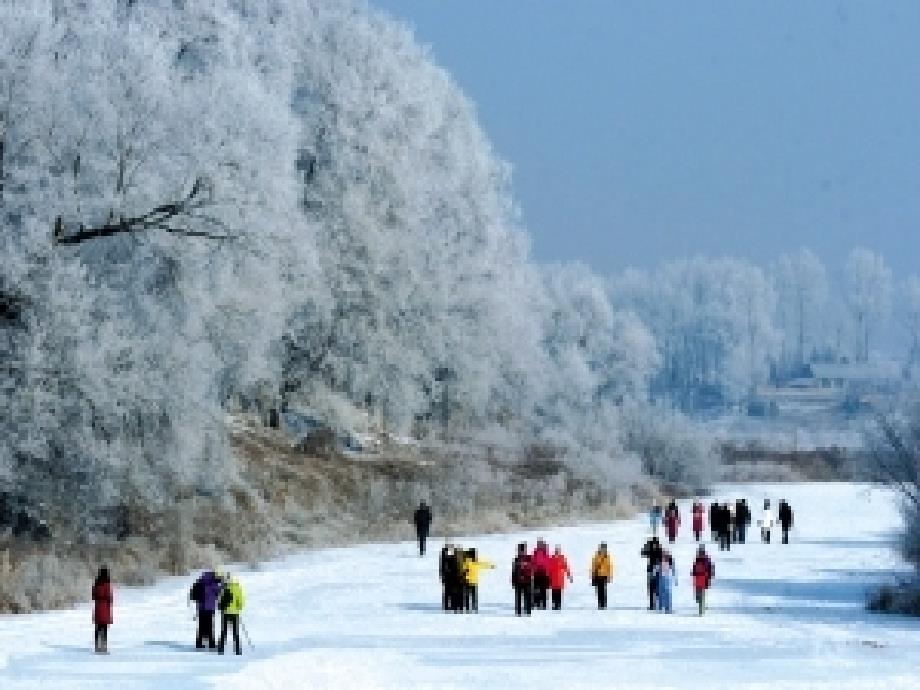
(667, 579)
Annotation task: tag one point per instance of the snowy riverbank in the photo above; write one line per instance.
(369, 616)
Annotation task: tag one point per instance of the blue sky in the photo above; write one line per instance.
(642, 130)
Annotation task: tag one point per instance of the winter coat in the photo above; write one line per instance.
(443, 563)
(209, 587)
(601, 566)
(422, 519)
(540, 561)
(654, 516)
(460, 560)
(672, 519)
(665, 571)
(471, 570)
(102, 603)
(651, 551)
(702, 572)
(742, 513)
(785, 515)
(233, 597)
(699, 514)
(558, 571)
(522, 570)
(766, 519)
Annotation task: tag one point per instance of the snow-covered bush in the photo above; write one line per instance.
(672, 449)
(896, 461)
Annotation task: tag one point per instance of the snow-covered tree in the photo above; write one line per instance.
(868, 293)
(713, 320)
(802, 290)
(911, 301)
(146, 220)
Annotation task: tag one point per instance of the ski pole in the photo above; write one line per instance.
(246, 633)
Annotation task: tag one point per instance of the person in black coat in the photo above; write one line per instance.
(742, 519)
(422, 520)
(652, 551)
(715, 522)
(444, 571)
(785, 519)
(725, 528)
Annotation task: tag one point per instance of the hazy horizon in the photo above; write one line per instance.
(640, 132)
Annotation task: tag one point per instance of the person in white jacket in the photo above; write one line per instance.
(766, 522)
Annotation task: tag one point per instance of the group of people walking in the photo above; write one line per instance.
(661, 576)
(211, 592)
(459, 570)
(728, 523)
(535, 575)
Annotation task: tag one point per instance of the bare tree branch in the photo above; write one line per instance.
(163, 217)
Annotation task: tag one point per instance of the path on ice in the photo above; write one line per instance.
(369, 616)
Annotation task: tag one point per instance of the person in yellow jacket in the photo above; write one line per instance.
(232, 601)
(472, 566)
(601, 572)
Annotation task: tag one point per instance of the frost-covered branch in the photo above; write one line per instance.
(162, 217)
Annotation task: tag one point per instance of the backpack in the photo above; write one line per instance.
(196, 593)
(521, 570)
(226, 598)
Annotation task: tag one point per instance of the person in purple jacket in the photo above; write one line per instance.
(205, 593)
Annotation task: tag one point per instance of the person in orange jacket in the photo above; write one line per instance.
(601, 571)
(558, 572)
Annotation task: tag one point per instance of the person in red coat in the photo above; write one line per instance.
(558, 572)
(702, 574)
(699, 515)
(102, 610)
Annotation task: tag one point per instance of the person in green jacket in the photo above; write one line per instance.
(231, 606)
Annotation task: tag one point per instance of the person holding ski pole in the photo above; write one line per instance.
(231, 607)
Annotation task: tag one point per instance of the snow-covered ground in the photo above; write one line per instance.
(369, 616)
